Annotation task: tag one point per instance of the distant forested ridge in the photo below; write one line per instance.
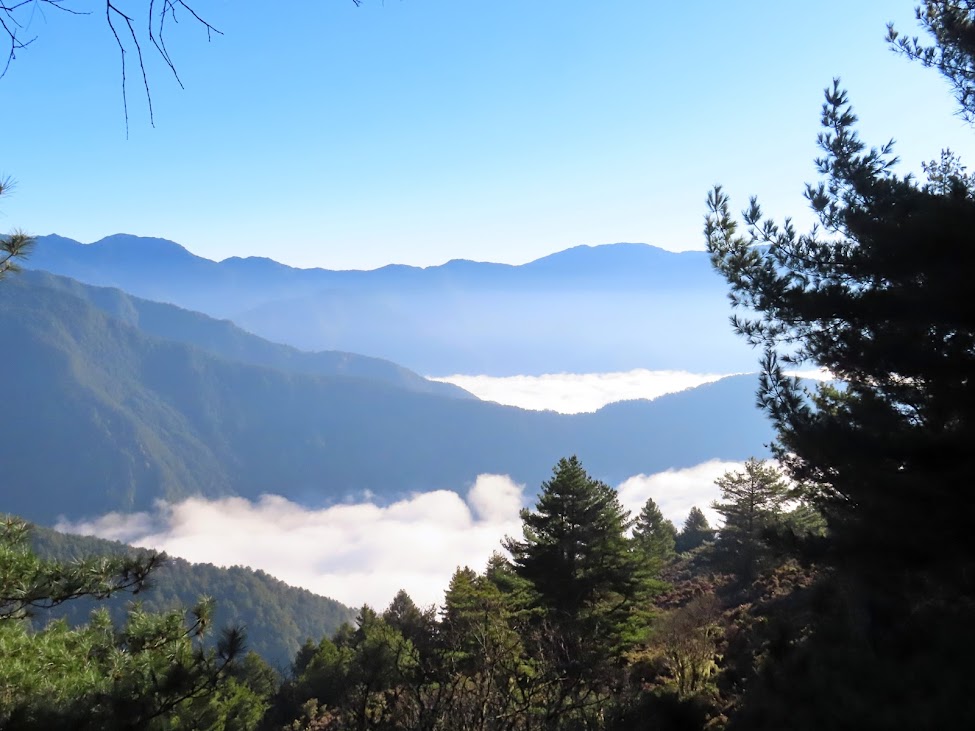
(224, 339)
(129, 417)
(276, 617)
(625, 305)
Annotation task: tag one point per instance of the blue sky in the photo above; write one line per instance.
(416, 131)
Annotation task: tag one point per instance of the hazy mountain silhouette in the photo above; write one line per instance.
(100, 416)
(587, 309)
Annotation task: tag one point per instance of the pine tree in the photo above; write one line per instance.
(153, 667)
(880, 297)
(951, 23)
(577, 557)
(753, 502)
(695, 532)
(878, 294)
(654, 537)
(13, 246)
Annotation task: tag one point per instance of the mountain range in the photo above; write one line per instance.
(113, 403)
(588, 309)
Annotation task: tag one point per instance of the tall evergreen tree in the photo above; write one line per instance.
(695, 532)
(654, 536)
(577, 557)
(753, 501)
(879, 295)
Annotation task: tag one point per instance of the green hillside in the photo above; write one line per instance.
(224, 339)
(277, 617)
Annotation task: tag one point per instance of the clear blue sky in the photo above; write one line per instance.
(416, 131)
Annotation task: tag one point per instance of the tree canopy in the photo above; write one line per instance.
(135, 675)
(877, 294)
(695, 532)
(575, 551)
(654, 535)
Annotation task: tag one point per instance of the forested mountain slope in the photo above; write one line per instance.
(224, 339)
(277, 617)
(103, 417)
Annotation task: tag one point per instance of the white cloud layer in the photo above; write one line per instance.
(677, 491)
(356, 553)
(574, 393)
(364, 553)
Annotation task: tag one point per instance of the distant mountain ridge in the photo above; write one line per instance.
(106, 417)
(586, 261)
(587, 309)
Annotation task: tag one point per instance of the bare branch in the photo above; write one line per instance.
(16, 17)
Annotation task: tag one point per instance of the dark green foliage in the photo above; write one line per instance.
(277, 617)
(14, 246)
(542, 643)
(407, 618)
(856, 660)
(879, 294)
(695, 532)
(888, 452)
(753, 504)
(142, 673)
(29, 583)
(752, 500)
(576, 556)
(951, 24)
(361, 673)
(654, 537)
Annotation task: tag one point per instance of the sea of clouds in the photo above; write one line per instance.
(363, 553)
(575, 393)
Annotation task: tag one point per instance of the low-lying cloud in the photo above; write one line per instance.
(677, 491)
(356, 553)
(362, 552)
(575, 393)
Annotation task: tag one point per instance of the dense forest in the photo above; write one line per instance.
(277, 618)
(837, 592)
(596, 620)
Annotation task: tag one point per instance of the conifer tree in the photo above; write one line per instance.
(753, 501)
(654, 536)
(151, 668)
(577, 557)
(13, 246)
(879, 295)
(951, 24)
(695, 532)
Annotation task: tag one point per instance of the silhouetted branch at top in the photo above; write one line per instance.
(16, 17)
